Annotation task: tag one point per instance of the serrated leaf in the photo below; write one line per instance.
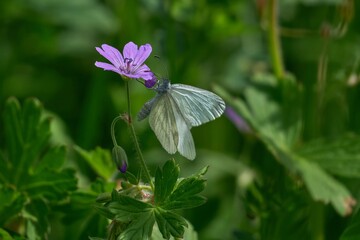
(139, 228)
(170, 223)
(189, 234)
(185, 194)
(340, 156)
(165, 180)
(126, 208)
(99, 160)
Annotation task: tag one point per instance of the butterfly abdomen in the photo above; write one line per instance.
(145, 110)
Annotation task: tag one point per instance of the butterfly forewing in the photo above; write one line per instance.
(198, 106)
(162, 122)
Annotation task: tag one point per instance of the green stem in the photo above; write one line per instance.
(274, 40)
(113, 130)
(136, 142)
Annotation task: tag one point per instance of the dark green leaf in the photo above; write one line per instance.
(103, 197)
(55, 185)
(140, 228)
(189, 234)
(52, 160)
(11, 204)
(170, 223)
(165, 181)
(131, 178)
(185, 194)
(104, 211)
(126, 208)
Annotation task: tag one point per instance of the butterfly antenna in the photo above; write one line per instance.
(164, 67)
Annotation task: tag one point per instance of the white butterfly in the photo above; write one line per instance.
(175, 110)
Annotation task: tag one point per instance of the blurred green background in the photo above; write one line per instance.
(47, 50)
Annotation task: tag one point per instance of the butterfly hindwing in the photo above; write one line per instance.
(162, 122)
(198, 106)
(186, 146)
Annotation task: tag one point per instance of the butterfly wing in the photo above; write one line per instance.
(197, 106)
(170, 127)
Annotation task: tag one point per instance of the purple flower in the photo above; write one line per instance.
(237, 120)
(130, 64)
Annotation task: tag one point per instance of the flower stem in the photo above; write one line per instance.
(274, 40)
(113, 130)
(136, 142)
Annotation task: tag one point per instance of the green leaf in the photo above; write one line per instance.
(11, 204)
(165, 181)
(185, 194)
(131, 178)
(33, 167)
(51, 184)
(127, 209)
(54, 159)
(99, 160)
(340, 156)
(170, 223)
(4, 235)
(139, 228)
(189, 234)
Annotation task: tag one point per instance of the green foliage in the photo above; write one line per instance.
(32, 177)
(134, 217)
(279, 135)
(99, 160)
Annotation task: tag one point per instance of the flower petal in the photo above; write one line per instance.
(142, 54)
(130, 50)
(115, 54)
(107, 67)
(106, 55)
(144, 72)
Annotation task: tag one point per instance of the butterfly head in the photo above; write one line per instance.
(163, 86)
